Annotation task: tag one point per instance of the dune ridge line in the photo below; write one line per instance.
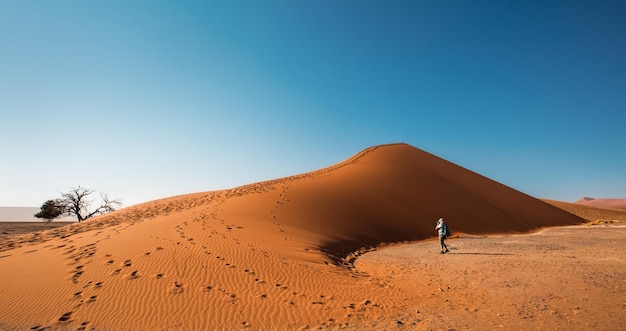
(259, 256)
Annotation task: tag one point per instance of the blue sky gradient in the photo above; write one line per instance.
(150, 99)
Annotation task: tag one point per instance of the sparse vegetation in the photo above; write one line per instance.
(51, 209)
(75, 203)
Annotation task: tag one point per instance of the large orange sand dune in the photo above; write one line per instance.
(260, 256)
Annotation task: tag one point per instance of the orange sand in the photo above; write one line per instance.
(265, 256)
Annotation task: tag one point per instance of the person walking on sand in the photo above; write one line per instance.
(442, 230)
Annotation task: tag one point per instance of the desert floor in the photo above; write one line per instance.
(10, 228)
(566, 278)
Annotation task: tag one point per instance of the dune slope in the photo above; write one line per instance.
(396, 192)
(260, 256)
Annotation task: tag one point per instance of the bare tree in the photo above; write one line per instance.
(76, 203)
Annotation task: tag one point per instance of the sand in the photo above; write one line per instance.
(291, 254)
(12, 228)
(567, 278)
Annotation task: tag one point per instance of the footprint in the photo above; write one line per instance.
(76, 275)
(83, 326)
(65, 317)
(177, 289)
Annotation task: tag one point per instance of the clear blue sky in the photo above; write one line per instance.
(150, 99)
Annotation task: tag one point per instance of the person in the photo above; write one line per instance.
(441, 230)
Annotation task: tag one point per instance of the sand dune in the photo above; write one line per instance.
(269, 255)
(603, 203)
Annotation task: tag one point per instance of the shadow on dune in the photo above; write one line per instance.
(395, 193)
(384, 194)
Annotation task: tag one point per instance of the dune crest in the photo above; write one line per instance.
(260, 256)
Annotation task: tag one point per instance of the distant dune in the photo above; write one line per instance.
(603, 203)
(590, 213)
(260, 256)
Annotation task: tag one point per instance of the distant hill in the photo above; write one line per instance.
(25, 214)
(18, 214)
(602, 203)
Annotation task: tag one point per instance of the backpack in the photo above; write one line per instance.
(447, 230)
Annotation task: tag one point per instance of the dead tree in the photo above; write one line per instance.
(75, 203)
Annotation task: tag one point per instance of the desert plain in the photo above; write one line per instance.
(351, 246)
